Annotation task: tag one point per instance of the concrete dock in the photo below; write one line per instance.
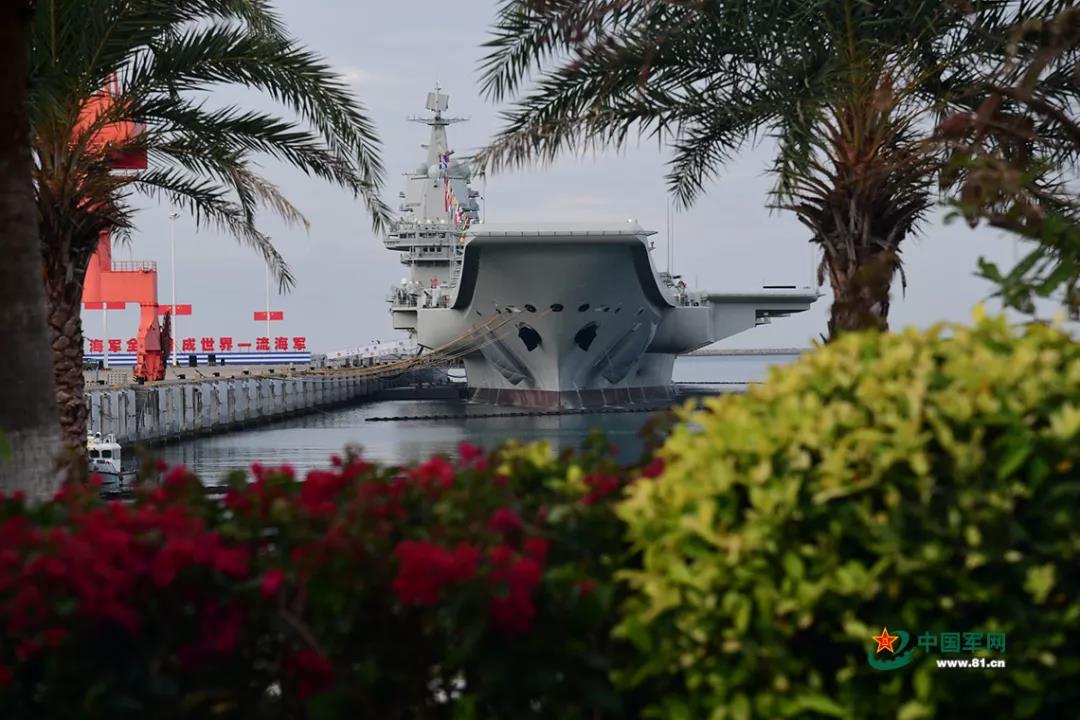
(176, 409)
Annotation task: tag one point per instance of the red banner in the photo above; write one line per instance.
(180, 309)
(274, 315)
(105, 305)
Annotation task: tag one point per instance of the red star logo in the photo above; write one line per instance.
(885, 641)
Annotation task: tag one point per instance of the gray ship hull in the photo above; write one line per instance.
(580, 318)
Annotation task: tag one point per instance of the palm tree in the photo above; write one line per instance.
(29, 435)
(163, 59)
(843, 86)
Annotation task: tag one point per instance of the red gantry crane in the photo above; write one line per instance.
(110, 284)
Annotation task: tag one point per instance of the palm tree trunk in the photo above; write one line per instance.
(27, 411)
(860, 291)
(63, 289)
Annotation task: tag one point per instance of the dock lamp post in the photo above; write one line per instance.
(173, 216)
(268, 301)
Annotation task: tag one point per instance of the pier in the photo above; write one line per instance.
(181, 408)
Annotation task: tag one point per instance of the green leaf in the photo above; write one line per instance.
(1040, 581)
(819, 704)
(989, 270)
(793, 565)
(1014, 458)
(465, 708)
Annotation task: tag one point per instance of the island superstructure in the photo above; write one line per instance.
(549, 315)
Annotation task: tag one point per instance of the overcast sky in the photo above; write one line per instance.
(392, 53)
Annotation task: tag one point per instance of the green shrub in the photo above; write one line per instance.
(924, 482)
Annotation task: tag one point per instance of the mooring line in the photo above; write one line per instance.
(526, 413)
(719, 382)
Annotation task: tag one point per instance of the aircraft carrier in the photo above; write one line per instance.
(549, 315)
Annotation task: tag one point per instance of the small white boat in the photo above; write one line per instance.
(105, 458)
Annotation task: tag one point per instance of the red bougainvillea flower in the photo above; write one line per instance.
(178, 482)
(600, 486)
(230, 560)
(312, 671)
(500, 556)
(238, 502)
(465, 559)
(354, 470)
(320, 491)
(505, 521)
(525, 573)
(537, 549)
(176, 555)
(436, 473)
(382, 500)
(654, 469)
(54, 636)
(512, 614)
(469, 453)
(176, 475)
(221, 627)
(425, 568)
(512, 610)
(271, 582)
(77, 493)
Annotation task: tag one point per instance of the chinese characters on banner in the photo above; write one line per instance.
(204, 344)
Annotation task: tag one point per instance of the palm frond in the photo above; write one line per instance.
(161, 60)
(232, 168)
(288, 73)
(210, 205)
(706, 76)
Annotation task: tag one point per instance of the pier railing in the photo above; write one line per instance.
(134, 266)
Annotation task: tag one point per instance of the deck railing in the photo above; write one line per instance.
(134, 266)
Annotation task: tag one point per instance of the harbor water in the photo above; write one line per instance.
(308, 442)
